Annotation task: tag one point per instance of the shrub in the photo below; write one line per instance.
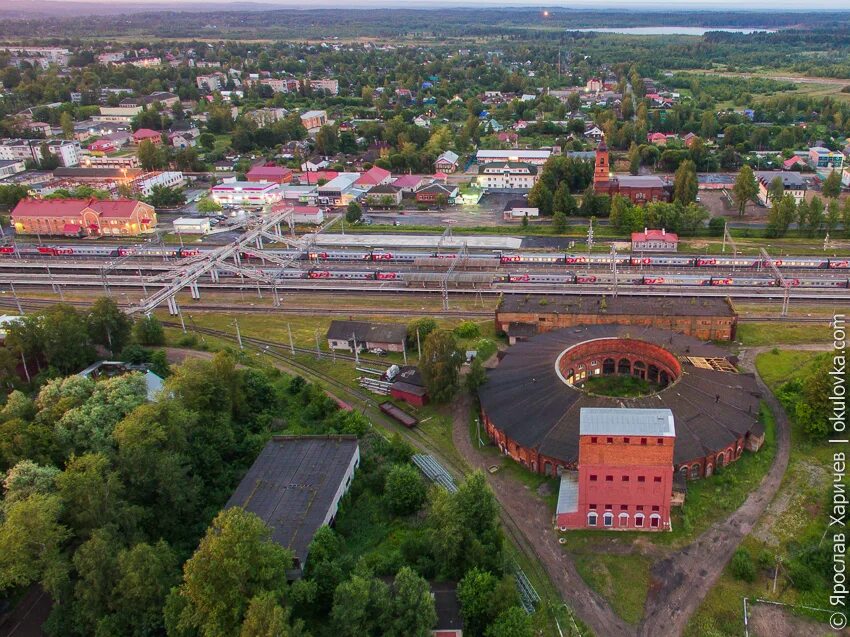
(742, 566)
(468, 329)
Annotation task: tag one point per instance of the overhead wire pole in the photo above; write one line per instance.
(727, 236)
(782, 281)
(462, 256)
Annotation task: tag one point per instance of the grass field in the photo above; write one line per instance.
(758, 334)
(621, 579)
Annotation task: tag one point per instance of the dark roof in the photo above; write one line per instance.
(525, 398)
(629, 305)
(383, 189)
(447, 606)
(367, 332)
(483, 168)
(103, 173)
(410, 375)
(517, 203)
(292, 486)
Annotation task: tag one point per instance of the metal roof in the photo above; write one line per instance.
(568, 493)
(293, 484)
(611, 421)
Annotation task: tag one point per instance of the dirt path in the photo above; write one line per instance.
(686, 576)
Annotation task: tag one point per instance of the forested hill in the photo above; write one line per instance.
(447, 22)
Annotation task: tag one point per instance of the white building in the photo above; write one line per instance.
(507, 176)
(792, 182)
(245, 193)
(9, 167)
(120, 114)
(192, 225)
(146, 182)
(533, 157)
(66, 151)
(518, 209)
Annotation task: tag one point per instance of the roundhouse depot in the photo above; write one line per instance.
(531, 402)
(523, 316)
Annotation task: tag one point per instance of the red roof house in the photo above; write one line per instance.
(375, 176)
(654, 241)
(146, 134)
(657, 138)
(788, 164)
(102, 146)
(273, 174)
(315, 176)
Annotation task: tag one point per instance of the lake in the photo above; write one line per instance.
(672, 30)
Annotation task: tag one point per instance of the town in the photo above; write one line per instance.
(512, 322)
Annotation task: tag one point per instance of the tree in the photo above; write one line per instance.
(559, 223)
(832, 185)
(96, 566)
(31, 539)
(441, 361)
(685, 185)
(207, 141)
(266, 617)
(745, 188)
(148, 331)
(146, 574)
(716, 225)
(634, 159)
(353, 213)
(208, 205)
(563, 201)
(540, 197)
(775, 190)
(108, 325)
(149, 155)
(235, 561)
(514, 622)
(361, 606)
(833, 216)
(413, 613)
(67, 124)
(66, 341)
(405, 490)
(28, 478)
(166, 197)
(476, 376)
(815, 217)
(482, 597)
(327, 140)
(92, 493)
(418, 330)
(781, 216)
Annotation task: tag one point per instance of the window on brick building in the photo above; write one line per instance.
(625, 478)
(623, 520)
(593, 440)
(626, 440)
(624, 507)
(593, 478)
(657, 479)
(660, 441)
(639, 507)
(608, 519)
(641, 478)
(639, 520)
(609, 441)
(643, 441)
(609, 478)
(592, 507)
(655, 507)
(591, 518)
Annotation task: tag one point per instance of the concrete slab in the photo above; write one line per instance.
(418, 241)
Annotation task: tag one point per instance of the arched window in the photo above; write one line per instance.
(624, 366)
(639, 520)
(639, 369)
(547, 468)
(652, 374)
(608, 519)
(623, 520)
(591, 518)
(654, 521)
(738, 452)
(708, 470)
(608, 366)
(684, 471)
(721, 458)
(694, 471)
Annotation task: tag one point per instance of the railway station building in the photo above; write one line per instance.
(84, 217)
(706, 318)
(624, 480)
(295, 486)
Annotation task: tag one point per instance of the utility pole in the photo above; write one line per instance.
(590, 236)
(356, 353)
(318, 351)
(238, 334)
(404, 350)
(614, 267)
(291, 344)
(17, 300)
(418, 346)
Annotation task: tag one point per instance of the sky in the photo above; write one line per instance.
(737, 5)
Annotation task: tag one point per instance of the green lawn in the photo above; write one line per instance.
(777, 366)
(621, 579)
(619, 386)
(758, 334)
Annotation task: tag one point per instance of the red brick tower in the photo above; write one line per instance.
(625, 472)
(602, 172)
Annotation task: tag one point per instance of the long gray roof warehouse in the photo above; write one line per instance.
(295, 486)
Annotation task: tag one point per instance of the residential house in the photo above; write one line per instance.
(659, 139)
(823, 159)
(592, 131)
(184, 139)
(66, 151)
(147, 135)
(410, 183)
(447, 162)
(375, 176)
(384, 195)
(435, 193)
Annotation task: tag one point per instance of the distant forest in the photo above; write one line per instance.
(391, 23)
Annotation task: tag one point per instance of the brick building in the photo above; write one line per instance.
(84, 217)
(625, 472)
(717, 408)
(655, 241)
(637, 189)
(522, 316)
